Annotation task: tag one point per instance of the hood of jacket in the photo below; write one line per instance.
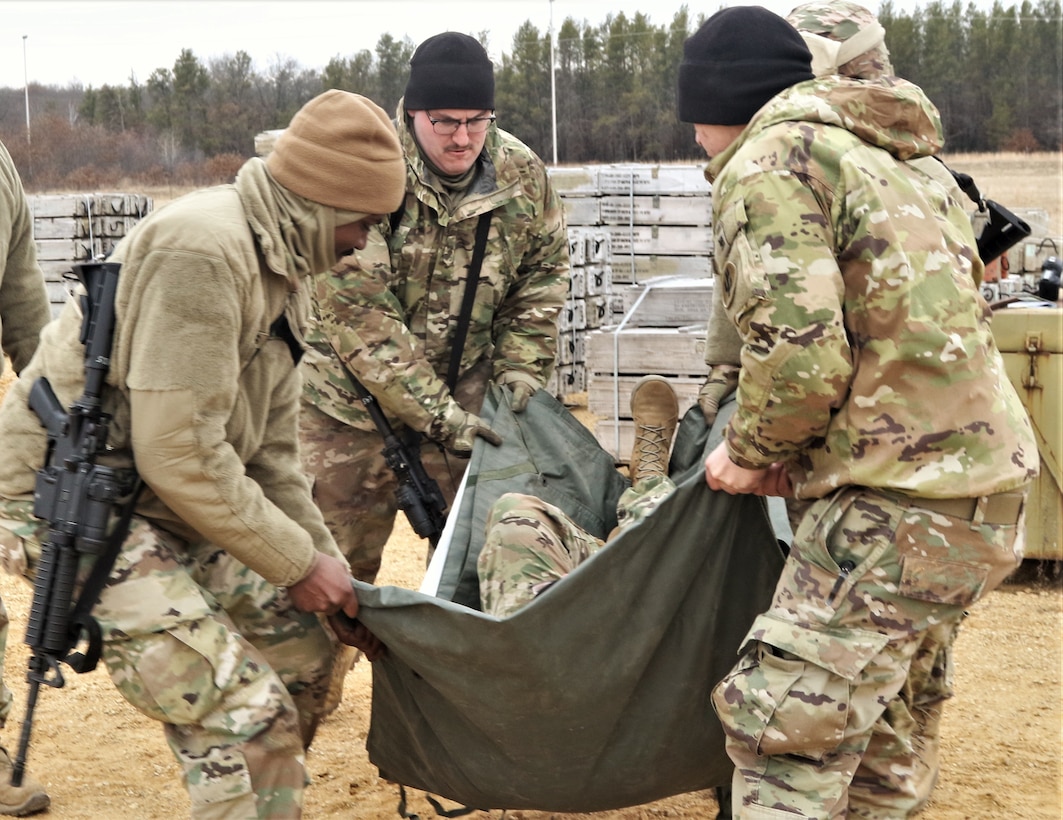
(297, 237)
(888, 113)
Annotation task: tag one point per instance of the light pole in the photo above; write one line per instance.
(553, 83)
(26, 82)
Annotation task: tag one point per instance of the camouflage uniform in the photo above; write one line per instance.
(868, 367)
(530, 544)
(859, 51)
(389, 313)
(199, 632)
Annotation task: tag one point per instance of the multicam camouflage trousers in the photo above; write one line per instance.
(834, 706)
(530, 545)
(355, 489)
(197, 641)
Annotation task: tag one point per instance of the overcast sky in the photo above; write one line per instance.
(97, 42)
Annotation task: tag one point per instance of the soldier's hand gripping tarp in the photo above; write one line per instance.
(596, 695)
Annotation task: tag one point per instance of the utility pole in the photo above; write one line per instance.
(553, 82)
(26, 82)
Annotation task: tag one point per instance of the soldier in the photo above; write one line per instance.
(24, 310)
(210, 615)
(844, 38)
(870, 390)
(393, 313)
(530, 544)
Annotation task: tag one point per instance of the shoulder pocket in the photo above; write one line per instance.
(744, 282)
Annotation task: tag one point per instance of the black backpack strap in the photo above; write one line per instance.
(483, 227)
(966, 183)
(396, 216)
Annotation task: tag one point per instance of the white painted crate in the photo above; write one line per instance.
(667, 302)
(679, 240)
(655, 210)
(653, 179)
(629, 269)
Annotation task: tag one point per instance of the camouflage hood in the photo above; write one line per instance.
(889, 113)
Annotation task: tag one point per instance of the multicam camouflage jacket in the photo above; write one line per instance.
(867, 356)
(390, 312)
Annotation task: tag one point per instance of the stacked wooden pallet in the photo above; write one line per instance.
(657, 217)
(69, 228)
(657, 220)
(653, 337)
(588, 306)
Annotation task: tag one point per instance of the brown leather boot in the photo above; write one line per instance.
(18, 801)
(655, 410)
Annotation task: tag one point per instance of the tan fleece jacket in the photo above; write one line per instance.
(24, 307)
(207, 398)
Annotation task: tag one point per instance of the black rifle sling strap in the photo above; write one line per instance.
(483, 227)
(1002, 231)
(101, 570)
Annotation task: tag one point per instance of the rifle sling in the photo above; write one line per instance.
(483, 227)
(101, 570)
(966, 183)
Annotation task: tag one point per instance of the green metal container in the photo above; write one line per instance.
(1031, 341)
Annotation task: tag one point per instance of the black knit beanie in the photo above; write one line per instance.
(738, 60)
(450, 70)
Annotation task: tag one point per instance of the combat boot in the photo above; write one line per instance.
(655, 411)
(18, 801)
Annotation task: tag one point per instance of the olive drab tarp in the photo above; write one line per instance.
(596, 695)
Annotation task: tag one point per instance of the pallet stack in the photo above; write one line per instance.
(588, 306)
(656, 225)
(69, 228)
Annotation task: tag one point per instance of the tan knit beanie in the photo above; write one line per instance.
(341, 150)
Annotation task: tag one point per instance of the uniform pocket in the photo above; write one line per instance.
(946, 560)
(790, 692)
(740, 294)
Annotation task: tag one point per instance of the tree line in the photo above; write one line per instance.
(995, 76)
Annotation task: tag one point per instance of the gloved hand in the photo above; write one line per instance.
(460, 431)
(721, 383)
(522, 386)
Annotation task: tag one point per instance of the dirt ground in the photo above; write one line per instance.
(1003, 733)
(101, 759)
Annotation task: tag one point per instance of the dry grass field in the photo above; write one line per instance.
(1002, 733)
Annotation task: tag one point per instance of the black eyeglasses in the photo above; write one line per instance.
(445, 126)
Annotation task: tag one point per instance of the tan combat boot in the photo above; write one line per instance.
(655, 410)
(18, 801)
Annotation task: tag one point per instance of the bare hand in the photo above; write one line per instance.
(723, 474)
(326, 588)
(354, 633)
